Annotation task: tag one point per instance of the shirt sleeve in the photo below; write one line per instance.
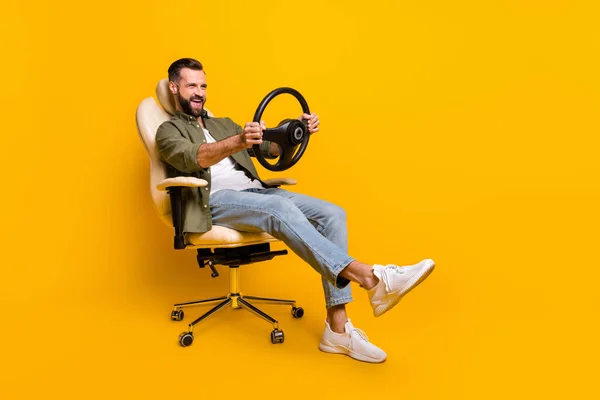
(176, 150)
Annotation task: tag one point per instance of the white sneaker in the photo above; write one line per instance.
(395, 282)
(353, 343)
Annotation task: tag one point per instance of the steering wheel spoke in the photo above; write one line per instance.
(287, 154)
(276, 135)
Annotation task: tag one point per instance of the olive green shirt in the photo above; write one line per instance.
(178, 141)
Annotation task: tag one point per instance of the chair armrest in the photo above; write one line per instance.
(173, 186)
(280, 181)
(187, 181)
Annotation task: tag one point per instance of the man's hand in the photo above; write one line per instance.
(252, 134)
(313, 122)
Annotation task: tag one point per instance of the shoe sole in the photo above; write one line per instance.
(333, 350)
(417, 279)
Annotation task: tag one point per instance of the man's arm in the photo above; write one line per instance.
(211, 153)
(274, 150)
(267, 149)
(188, 157)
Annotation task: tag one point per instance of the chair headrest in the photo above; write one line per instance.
(165, 98)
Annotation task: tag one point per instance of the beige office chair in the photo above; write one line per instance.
(219, 246)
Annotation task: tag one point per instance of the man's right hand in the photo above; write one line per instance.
(252, 134)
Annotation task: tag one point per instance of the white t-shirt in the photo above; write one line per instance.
(227, 175)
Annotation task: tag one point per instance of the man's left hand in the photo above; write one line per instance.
(313, 122)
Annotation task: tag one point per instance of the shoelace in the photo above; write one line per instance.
(361, 334)
(393, 269)
(397, 270)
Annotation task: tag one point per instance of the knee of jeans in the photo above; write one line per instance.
(335, 214)
(281, 208)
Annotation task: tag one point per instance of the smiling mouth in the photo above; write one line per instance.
(196, 101)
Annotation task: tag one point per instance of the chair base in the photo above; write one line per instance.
(234, 299)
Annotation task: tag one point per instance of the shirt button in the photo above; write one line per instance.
(197, 126)
(205, 206)
(204, 141)
(205, 188)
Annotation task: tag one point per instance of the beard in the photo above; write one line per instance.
(186, 105)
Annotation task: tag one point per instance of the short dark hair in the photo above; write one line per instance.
(180, 64)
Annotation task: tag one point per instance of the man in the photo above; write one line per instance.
(218, 150)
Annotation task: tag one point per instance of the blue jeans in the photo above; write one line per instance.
(313, 229)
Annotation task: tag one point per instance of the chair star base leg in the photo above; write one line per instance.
(209, 313)
(199, 302)
(258, 312)
(268, 300)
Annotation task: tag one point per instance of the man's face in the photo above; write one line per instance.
(190, 91)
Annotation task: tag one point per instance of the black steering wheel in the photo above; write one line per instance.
(291, 134)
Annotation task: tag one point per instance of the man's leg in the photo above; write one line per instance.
(248, 211)
(329, 220)
(339, 336)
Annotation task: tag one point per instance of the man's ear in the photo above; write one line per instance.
(172, 87)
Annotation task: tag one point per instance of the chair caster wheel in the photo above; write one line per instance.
(277, 336)
(177, 315)
(186, 339)
(297, 312)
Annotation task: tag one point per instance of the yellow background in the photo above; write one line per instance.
(464, 131)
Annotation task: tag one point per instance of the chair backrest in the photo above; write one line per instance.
(149, 116)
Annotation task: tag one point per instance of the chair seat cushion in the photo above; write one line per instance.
(221, 237)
